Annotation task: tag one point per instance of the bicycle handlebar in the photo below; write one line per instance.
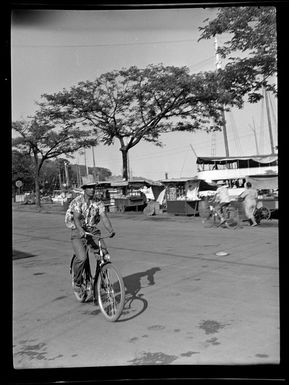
(92, 235)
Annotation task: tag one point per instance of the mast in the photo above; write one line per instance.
(255, 136)
(269, 123)
(218, 66)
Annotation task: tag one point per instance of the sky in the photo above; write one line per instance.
(54, 50)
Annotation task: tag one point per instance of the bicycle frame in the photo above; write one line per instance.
(219, 212)
(101, 286)
(223, 213)
(100, 262)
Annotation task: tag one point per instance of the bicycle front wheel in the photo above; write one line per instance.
(232, 216)
(110, 292)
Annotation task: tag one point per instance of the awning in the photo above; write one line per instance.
(193, 182)
(178, 180)
(263, 182)
(262, 159)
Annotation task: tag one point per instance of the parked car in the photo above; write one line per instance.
(58, 196)
(29, 199)
(46, 199)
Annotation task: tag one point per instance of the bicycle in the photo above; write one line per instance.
(229, 217)
(105, 287)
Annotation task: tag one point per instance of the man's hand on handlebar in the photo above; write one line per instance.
(82, 233)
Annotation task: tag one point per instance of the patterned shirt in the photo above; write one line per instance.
(222, 195)
(89, 213)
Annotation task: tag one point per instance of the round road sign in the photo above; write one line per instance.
(19, 183)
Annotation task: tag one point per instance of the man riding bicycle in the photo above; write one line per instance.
(222, 199)
(83, 215)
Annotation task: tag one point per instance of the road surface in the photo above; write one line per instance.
(189, 306)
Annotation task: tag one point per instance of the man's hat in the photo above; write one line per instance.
(87, 185)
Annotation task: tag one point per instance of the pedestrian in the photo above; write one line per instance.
(222, 199)
(83, 215)
(249, 195)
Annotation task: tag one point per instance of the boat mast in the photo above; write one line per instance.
(269, 122)
(218, 66)
(255, 136)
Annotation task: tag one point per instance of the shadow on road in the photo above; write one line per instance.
(264, 223)
(135, 304)
(16, 254)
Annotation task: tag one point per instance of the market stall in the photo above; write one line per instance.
(129, 196)
(103, 193)
(183, 195)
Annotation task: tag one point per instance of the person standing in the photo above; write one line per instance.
(250, 196)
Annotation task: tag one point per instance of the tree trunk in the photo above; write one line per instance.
(124, 153)
(37, 191)
(36, 179)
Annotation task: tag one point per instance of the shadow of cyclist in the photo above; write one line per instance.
(133, 285)
(133, 282)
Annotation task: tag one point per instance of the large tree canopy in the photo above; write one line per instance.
(251, 49)
(44, 137)
(135, 104)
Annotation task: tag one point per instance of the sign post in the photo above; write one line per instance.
(19, 184)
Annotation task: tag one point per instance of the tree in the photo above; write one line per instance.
(134, 104)
(22, 170)
(252, 32)
(45, 137)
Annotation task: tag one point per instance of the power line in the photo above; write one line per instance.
(102, 44)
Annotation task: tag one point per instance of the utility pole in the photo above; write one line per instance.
(66, 173)
(59, 175)
(218, 66)
(86, 168)
(79, 181)
(93, 159)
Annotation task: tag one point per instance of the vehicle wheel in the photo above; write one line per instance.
(110, 292)
(233, 219)
(265, 213)
(86, 284)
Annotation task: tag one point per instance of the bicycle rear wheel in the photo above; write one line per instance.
(110, 292)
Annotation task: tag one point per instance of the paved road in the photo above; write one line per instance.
(189, 305)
